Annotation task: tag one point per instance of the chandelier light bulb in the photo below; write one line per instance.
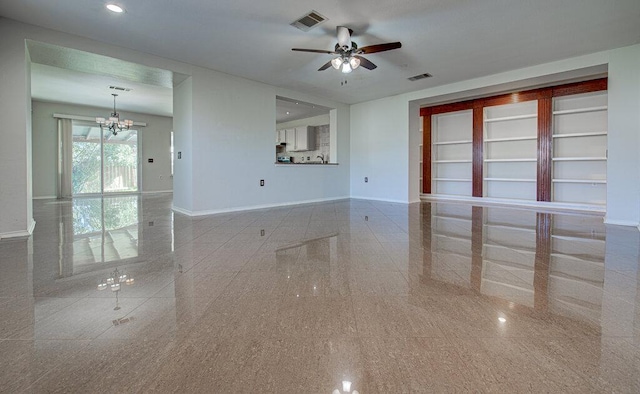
(354, 62)
(336, 63)
(346, 67)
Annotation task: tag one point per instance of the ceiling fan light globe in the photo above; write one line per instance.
(346, 68)
(354, 62)
(336, 63)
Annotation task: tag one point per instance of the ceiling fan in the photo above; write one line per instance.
(349, 54)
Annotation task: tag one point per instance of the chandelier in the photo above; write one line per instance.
(345, 63)
(114, 282)
(114, 124)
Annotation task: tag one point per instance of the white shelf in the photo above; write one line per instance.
(579, 159)
(598, 181)
(580, 110)
(452, 142)
(451, 236)
(511, 139)
(505, 227)
(452, 161)
(579, 239)
(452, 180)
(509, 160)
(456, 218)
(510, 179)
(571, 135)
(515, 117)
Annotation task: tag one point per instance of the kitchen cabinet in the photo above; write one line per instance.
(305, 139)
(290, 139)
(281, 136)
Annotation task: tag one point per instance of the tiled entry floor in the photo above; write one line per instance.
(323, 298)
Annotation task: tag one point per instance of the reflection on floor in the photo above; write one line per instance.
(342, 297)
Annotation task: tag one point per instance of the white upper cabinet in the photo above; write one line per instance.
(305, 139)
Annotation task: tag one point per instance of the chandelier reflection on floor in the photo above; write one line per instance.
(115, 282)
(346, 388)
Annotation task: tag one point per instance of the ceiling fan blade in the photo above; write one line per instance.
(380, 47)
(344, 37)
(325, 66)
(313, 50)
(365, 63)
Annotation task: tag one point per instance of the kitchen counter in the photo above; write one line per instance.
(306, 163)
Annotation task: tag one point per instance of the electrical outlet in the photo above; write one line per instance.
(179, 155)
(261, 182)
(366, 179)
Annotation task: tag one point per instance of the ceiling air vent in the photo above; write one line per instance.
(309, 21)
(120, 88)
(419, 77)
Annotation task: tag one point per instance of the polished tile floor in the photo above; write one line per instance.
(342, 297)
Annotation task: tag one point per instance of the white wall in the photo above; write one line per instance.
(381, 127)
(623, 164)
(182, 141)
(232, 150)
(15, 96)
(155, 141)
(231, 147)
(379, 150)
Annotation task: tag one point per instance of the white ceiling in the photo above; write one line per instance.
(60, 85)
(451, 39)
(288, 110)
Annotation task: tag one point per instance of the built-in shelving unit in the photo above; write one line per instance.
(545, 144)
(451, 162)
(580, 148)
(510, 150)
(576, 267)
(509, 255)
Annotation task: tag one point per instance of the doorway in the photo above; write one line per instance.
(102, 162)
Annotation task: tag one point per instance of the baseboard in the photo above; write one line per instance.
(379, 199)
(17, 234)
(254, 207)
(44, 197)
(158, 191)
(548, 206)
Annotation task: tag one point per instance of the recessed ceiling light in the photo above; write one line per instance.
(115, 8)
(287, 112)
